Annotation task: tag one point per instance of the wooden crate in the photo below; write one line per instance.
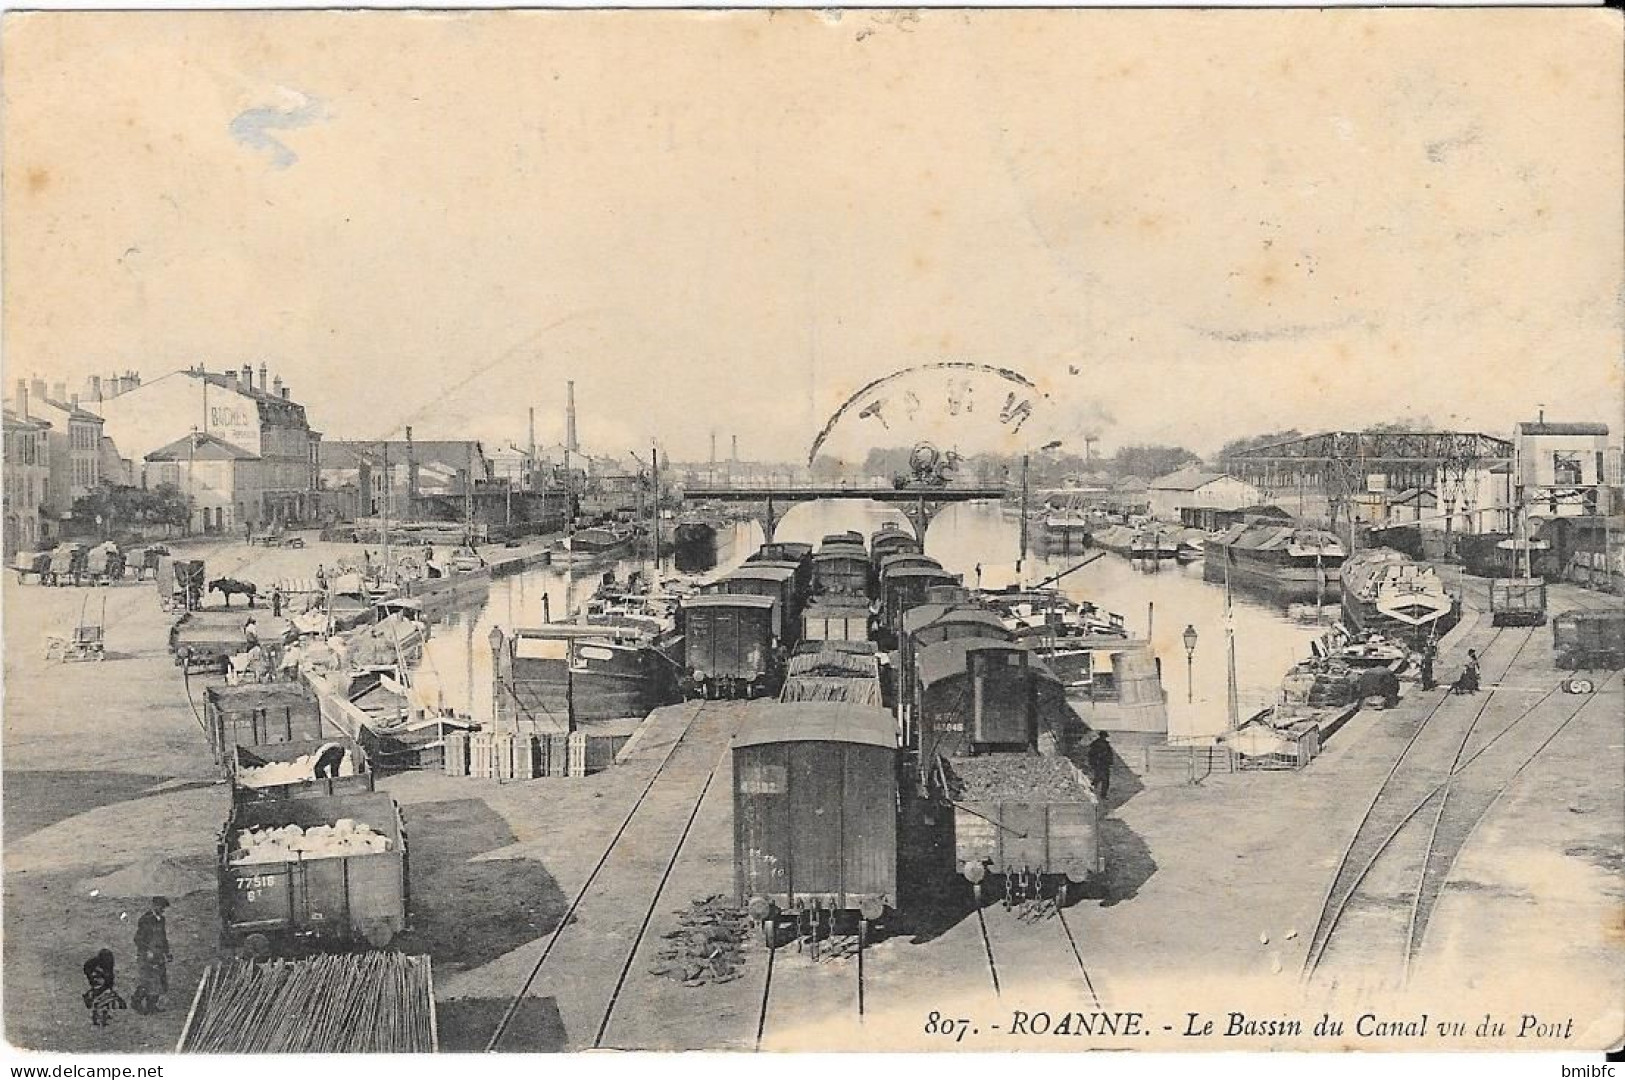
(456, 761)
(577, 743)
(558, 755)
(524, 758)
(482, 756)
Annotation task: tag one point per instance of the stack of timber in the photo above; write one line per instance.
(359, 1003)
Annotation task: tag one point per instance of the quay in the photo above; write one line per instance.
(547, 901)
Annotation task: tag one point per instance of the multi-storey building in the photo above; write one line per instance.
(74, 443)
(27, 476)
(261, 419)
(221, 480)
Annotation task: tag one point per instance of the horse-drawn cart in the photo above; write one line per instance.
(37, 563)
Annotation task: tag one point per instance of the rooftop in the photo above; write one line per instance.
(201, 446)
(1186, 480)
(1531, 427)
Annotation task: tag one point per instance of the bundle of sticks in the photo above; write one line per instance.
(364, 1003)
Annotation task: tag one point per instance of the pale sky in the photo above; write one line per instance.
(1224, 222)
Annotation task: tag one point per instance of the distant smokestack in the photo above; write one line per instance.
(96, 387)
(59, 391)
(37, 388)
(277, 388)
(530, 448)
(74, 401)
(736, 448)
(22, 398)
(248, 377)
(570, 416)
(265, 385)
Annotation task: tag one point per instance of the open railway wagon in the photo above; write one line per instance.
(355, 1003)
(815, 816)
(730, 649)
(287, 770)
(205, 639)
(331, 868)
(259, 717)
(1028, 823)
(1517, 602)
(840, 671)
(1589, 639)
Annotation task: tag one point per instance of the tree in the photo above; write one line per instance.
(1151, 461)
(108, 507)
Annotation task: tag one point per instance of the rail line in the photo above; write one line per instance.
(586, 886)
(855, 943)
(987, 948)
(1443, 816)
(654, 901)
(1377, 823)
(1083, 970)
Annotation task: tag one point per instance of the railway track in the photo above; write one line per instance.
(656, 827)
(1456, 764)
(813, 991)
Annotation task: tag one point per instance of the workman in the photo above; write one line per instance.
(152, 958)
(1428, 681)
(1100, 765)
(251, 633)
(276, 602)
(329, 759)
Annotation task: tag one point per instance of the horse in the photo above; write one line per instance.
(231, 586)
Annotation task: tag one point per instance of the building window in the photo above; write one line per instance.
(1565, 468)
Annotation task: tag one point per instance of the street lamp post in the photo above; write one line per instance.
(1189, 637)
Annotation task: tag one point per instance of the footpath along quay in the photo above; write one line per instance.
(111, 796)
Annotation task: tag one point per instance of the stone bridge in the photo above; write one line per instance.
(918, 502)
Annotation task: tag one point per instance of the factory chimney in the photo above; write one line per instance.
(96, 387)
(736, 448)
(570, 416)
(530, 451)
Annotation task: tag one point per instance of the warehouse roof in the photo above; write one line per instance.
(1186, 480)
(760, 571)
(918, 618)
(842, 551)
(817, 721)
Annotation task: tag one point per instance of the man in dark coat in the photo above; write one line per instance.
(329, 759)
(1100, 765)
(152, 958)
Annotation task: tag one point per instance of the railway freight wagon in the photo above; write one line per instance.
(761, 579)
(1517, 602)
(815, 814)
(843, 671)
(333, 869)
(1589, 639)
(287, 770)
(841, 570)
(729, 645)
(1027, 823)
(974, 695)
(259, 715)
(906, 587)
(934, 622)
(891, 540)
(838, 621)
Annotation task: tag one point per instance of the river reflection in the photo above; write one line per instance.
(457, 662)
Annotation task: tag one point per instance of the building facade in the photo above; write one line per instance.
(27, 476)
(258, 417)
(1169, 495)
(1562, 468)
(223, 482)
(74, 440)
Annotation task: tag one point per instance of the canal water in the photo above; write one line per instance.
(457, 661)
